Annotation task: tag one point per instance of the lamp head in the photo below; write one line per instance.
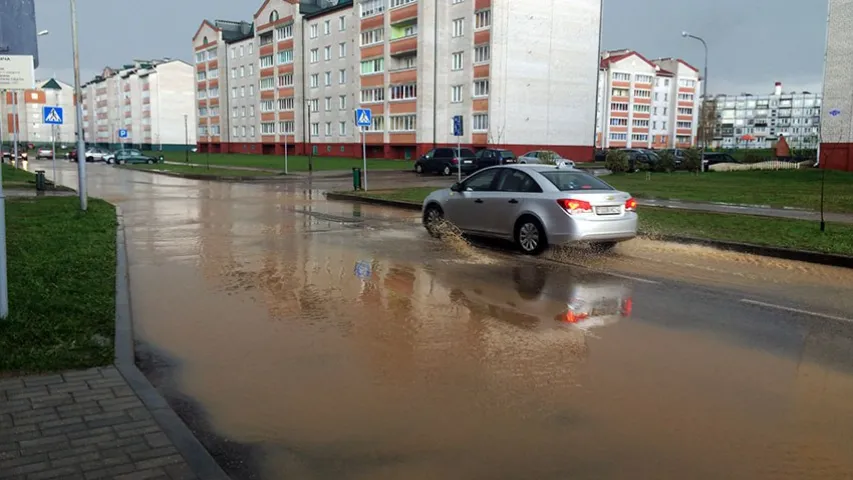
(43, 33)
(684, 34)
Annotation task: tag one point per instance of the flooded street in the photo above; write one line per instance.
(303, 338)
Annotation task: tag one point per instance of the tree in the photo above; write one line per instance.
(616, 161)
(707, 122)
(692, 160)
(666, 162)
(548, 157)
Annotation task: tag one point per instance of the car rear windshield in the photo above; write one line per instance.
(507, 154)
(570, 181)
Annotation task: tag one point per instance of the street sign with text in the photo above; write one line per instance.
(16, 72)
(457, 126)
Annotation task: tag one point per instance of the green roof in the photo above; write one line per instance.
(51, 85)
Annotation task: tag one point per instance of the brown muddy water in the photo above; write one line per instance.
(340, 341)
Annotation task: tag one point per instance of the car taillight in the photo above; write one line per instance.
(572, 317)
(575, 206)
(455, 160)
(627, 307)
(631, 205)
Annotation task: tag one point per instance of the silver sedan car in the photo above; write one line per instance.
(534, 206)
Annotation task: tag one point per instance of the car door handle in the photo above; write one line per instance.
(478, 201)
(513, 201)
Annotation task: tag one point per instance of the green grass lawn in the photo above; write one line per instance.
(797, 234)
(782, 188)
(295, 163)
(16, 178)
(213, 171)
(61, 270)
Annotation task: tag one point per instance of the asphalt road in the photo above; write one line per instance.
(310, 339)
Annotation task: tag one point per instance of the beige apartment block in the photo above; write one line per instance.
(521, 74)
(27, 108)
(836, 117)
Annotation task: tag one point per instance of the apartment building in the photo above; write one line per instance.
(29, 112)
(151, 99)
(836, 135)
(757, 121)
(646, 103)
(415, 64)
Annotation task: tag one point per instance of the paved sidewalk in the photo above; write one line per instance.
(82, 425)
(759, 210)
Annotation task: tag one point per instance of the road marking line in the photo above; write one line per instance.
(795, 310)
(627, 277)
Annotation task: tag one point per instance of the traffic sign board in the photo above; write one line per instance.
(52, 115)
(122, 133)
(363, 117)
(16, 72)
(457, 126)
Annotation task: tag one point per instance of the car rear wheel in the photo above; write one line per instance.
(603, 247)
(419, 168)
(446, 171)
(150, 161)
(434, 220)
(530, 236)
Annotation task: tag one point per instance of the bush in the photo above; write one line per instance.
(548, 157)
(755, 157)
(692, 160)
(666, 162)
(616, 161)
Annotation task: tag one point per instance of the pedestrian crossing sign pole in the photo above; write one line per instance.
(363, 119)
(53, 116)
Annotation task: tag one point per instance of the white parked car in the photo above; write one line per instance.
(543, 157)
(535, 206)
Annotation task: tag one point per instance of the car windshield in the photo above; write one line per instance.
(567, 181)
(506, 154)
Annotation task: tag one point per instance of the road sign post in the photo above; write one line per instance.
(363, 119)
(285, 153)
(53, 116)
(458, 131)
(122, 136)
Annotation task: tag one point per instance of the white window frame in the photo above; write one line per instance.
(457, 60)
(482, 19)
(456, 94)
(404, 123)
(480, 122)
(458, 27)
(480, 88)
(482, 54)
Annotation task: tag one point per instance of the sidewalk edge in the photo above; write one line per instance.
(762, 250)
(194, 453)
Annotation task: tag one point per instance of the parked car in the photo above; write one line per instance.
(543, 156)
(8, 153)
(714, 158)
(93, 154)
(44, 153)
(447, 161)
(534, 206)
(489, 157)
(640, 156)
(134, 156)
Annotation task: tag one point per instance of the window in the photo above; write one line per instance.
(517, 181)
(481, 88)
(267, 106)
(266, 61)
(211, 54)
(377, 123)
(251, 69)
(480, 122)
(235, 113)
(654, 125)
(235, 132)
(265, 39)
(313, 30)
(457, 1)
(458, 27)
(314, 80)
(267, 83)
(481, 182)
(625, 77)
(285, 80)
(371, 7)
(403, 92)
(313, 105)
(342, 23)
(456, 61)
(202, 111)
(642, 108)
(685, 96)
(342, 102)
(375, 65)
(252, 90)
(242, 71)
(251, 48)
(327, 129)
(618, 107)
(243, 112)
(685, 111)
(665, 82)
(342, 76)
(663, 125)
(642, 93)
(656, 96)
(482, 54)
(251, 110)
(315, 129)
(684, 82)
(619, 136)
(620, 92)
(372, 36)
(641, 123)
(456, 94)
(244, 130)
(327, 78)
(285, 56)
(268, 129)
(284, 32)
(400, 3)
(327, 102)
(233, 92)
(640, 137)
(213, 92)
(684, 125)
(315, 55)
(403, 123)
(342, 128)
(342, 50)
(285, 103)
(285, 128)
(234, 72)
(201, 76)
(643, 78)
(482, 19)
(199, 57)
(327, 27)
(273, 16)
(373, 95)
(619, 122)
(327, 52)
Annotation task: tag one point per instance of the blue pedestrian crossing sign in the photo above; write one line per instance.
(122, 133)
(457, 126)
(363, 117)
(52, 115)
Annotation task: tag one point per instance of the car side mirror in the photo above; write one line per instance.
(456, 187)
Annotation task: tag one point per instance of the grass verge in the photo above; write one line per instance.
(768, 231)
(213, 171)
(61, 268)
(783, 188)
(17, 178)
(295, 163)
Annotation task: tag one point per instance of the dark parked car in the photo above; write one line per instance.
(489, 157)
(134, 156)
(446, 161)
(712, 158)
(638, 156)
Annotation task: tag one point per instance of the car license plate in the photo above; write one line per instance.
(466, 161)
(607, 210)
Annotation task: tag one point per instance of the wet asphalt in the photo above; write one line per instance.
(303, 338)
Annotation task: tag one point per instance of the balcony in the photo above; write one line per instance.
(402, 10)
(403, 46)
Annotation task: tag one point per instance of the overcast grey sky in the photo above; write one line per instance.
(753, 43)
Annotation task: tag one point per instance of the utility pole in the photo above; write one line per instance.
(310, 148)
(78, 92)
(186, 140)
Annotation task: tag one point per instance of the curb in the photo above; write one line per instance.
(190, 448)
(219, 178)
(765, 251)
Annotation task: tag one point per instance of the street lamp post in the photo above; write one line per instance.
(78, 93)
(704, 93)
(186, 140)
(310, 149)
